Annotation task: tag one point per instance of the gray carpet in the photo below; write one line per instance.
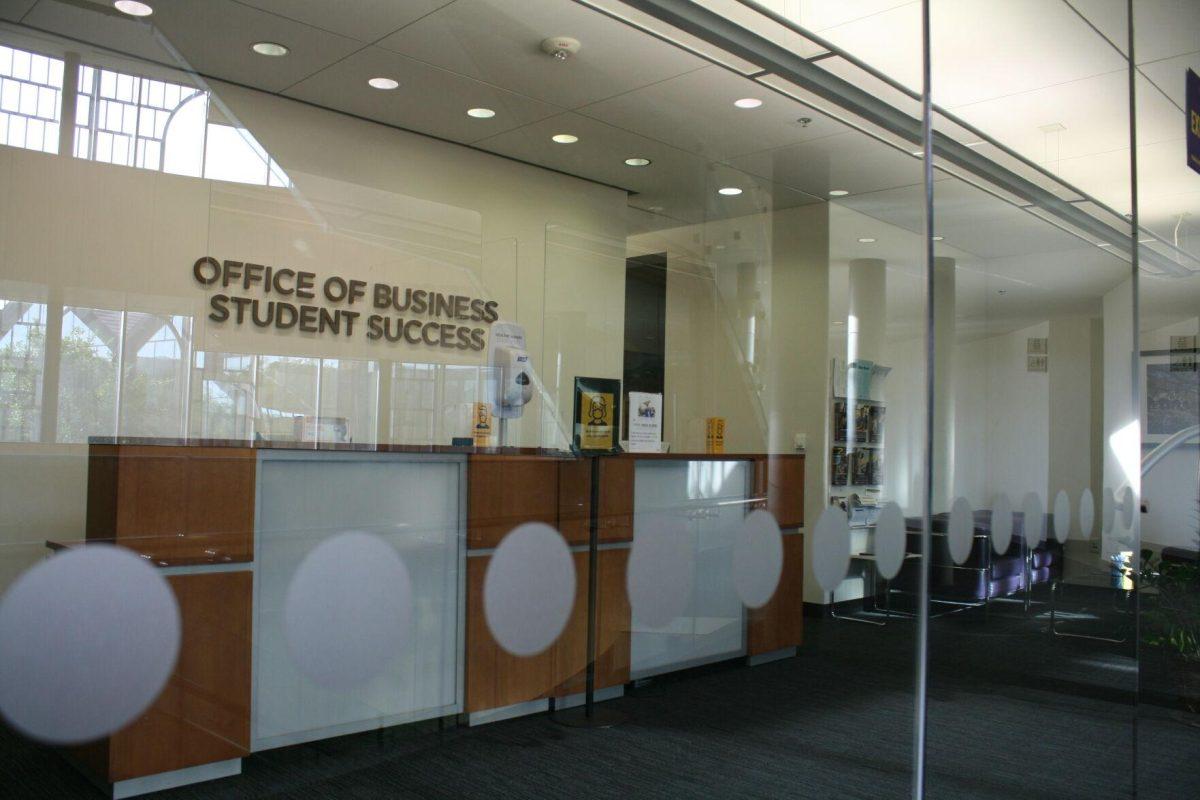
(1012, 714)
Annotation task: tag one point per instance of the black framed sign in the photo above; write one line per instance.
(597, 411)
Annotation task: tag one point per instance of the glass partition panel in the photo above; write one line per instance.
(1168, 195)
(1033, 618)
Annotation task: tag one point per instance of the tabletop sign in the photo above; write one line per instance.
(645, 422)
(481, 425)
(597, 409)
(714, 437)
(1193, 117)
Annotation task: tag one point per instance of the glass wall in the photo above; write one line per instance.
(642, 397)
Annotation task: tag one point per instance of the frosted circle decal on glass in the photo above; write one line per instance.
(529, 589)
(1128, 506)
(1002, 524)
(960, 530)
(1087, 514)
(661, 566)
(757, 558)
(88, 638)
(1062, 516)
(831, 548)
(890, 541)
(348, 610)
(1033, 520)
(1108, 510)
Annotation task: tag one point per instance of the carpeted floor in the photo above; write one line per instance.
(1012, 714)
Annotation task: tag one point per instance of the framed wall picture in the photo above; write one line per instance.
(597, 415)
(1170, 396)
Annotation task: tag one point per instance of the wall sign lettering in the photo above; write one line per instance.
(377, 311)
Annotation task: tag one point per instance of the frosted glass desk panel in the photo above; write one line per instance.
(711, 496)
(413, 503)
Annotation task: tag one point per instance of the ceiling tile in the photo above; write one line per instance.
(968, 218)
(13, 10)
(1024, 45)
(1164, 28)
(429, 100)
(695, 112)
(212, 38)
(676, 184)
(365, 20)
(848, 161)
(500, 42)
(1169, 74)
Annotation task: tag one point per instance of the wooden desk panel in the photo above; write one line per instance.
(175, 505)
(203, 713)
(505, 491)
(784, 486)
(496, 678)
(575, 499)
(616, 499)
(614, 620)
(780, 623)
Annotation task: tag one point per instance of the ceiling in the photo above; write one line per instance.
(1039, 77)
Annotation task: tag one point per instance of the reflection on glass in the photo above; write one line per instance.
(22, 349)
(89, 364)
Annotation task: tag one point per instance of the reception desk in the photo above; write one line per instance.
(229, 524)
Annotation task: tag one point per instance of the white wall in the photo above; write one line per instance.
(1171, 491)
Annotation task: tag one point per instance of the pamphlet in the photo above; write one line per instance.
(645, 422)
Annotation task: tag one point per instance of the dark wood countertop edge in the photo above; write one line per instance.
(433, 449)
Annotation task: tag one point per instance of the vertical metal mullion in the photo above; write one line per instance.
(1134, 383)
(920, 690)
(94, 114)
(68, 100)
(120, 354)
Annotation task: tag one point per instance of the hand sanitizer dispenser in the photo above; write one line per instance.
(516, 385)
(511, 371)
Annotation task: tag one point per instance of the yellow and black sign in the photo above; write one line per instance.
(714, 436)
(597, 411)
(481, 425)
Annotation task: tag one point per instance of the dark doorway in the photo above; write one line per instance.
(645, 326)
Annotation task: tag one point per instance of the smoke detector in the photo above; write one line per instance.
(561, 47)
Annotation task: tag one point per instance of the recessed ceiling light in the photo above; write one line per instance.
(383, 83)
(480, 113)
(866, 240)
(838, 193)
(565, 138)
(637, 161)
(655, 209)
(748, 102)
(133, 8)
(938, 238)
(729, 191)
(976, 144)
(917, 153)
(273, 49)
(1103, 244)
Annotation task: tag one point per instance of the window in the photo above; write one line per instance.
(22, 351)
(159, 125)
(88, 369)
(30, 99)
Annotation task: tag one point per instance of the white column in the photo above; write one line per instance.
(866, 325)
(943, 384)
